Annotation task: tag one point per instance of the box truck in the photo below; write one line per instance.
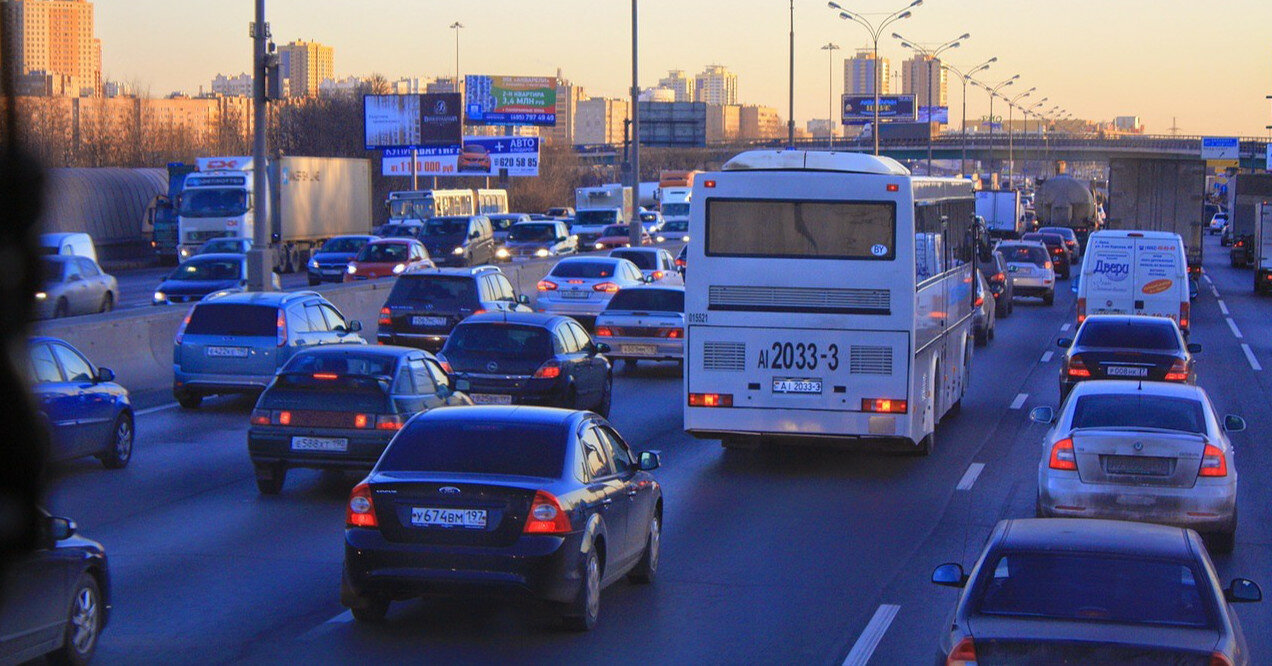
(1001, 209)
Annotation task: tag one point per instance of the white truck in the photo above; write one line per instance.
(1263, 248)
(598, 207)
(675, 211)
(1135, 273)
(1002, 211)
(317, 198)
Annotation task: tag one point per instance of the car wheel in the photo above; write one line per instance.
(189, 400)
(1049, 298)
(629, 366)
(647, 568)
(992, 327)
(607, 398)
(982, 337)
(1002, 309)
(61, 310)
(582, 612)
(372, 611)
(108, 302)
(119, 448)
(1225, 541)
(270, 478)
(314, 283)
(84, 624)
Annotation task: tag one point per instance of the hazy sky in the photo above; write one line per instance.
(1207, 65)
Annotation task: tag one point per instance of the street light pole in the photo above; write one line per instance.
(1030, 112)
(790, 111)
(875, 32)
(993, 91)
(1011, 136)
(259, 264)
(830, 49)
(964, 77)
(931, 56)
(634, 228)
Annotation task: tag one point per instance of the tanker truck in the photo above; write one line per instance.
(1065, 201)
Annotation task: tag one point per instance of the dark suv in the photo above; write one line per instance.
(529, 359)
(424, 306)
(994, 267)
(465, 240)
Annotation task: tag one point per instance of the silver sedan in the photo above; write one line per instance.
(74, 285)
(1153, 452)
(581, 287)
(644, 323)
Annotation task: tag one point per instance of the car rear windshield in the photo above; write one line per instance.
(1059, 231)
(506, 449)
(1137, 410)
(1158, 335)
(341, 364)
(442, 291)
(445, 226)
(208, 269)
(1024, 254)
(584, 269)
(349, 245)
(615, 230)
(532, 232)
(499, 339)
(1046, 239)
(233, 319)
(643, 260)
(384, 252)
(648, 300)
(1095, 588)
(801, 229)
(590, 217)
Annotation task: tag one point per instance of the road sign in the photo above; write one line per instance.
(859, 109)
(1267, 157)
(481, 156)
(1220, 148)
(510, 100)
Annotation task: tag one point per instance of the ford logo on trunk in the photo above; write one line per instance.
(448, 490)
(492, 366)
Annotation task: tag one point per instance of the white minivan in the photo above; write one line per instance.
(1137, 273)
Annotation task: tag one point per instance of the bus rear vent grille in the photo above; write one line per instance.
(798, 299)
(868, 360)
(724, 356)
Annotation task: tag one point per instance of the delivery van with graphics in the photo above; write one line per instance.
(1134, 272)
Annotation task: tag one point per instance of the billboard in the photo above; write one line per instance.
(477, 156)
(934, 114)
(1220, 148)
(411, 121)
(510, 100)
(859, 109)
(673, 123)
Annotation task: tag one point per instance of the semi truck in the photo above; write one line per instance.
(161, 215)
(1160, 195)
(316, 198)
(598, 207)
(1263, 248)
(1002, 211)
(1065, 201)
(1245, 192)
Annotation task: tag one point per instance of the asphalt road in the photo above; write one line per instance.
(795, 556)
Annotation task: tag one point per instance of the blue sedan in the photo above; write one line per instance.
(87, 413)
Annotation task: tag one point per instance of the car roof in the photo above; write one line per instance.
(369, 237)
(1026, 243)
(387, 351)
(1097, 536)
(269, 298)
(1132, 319)
(1133, 386)
(212, 256)
(394, 241)
(649, 250)
(525, 318)
(459, 271)
(577, 259)
(519, 414)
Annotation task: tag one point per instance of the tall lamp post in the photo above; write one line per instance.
(830, 49)
(1030, 111)
(1011, 136)
(931, 56)
(965, 77)
(993, 91)
(634, 229)
(875, 32)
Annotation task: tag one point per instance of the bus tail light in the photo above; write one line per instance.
(709, 183)
(710, 399)
(883, 405)
(1213, 462)
(1074, 367)
(671, 333)
(1178, 371)
(1081, 310)
(893, 187)
(1062, 456)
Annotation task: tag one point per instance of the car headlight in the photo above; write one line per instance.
(542, 252)
(184, 252)
(313, 263)
(661, 238)
(502, 253)
(685, 238)
(397, 270)
(458, 251)
(351, 269)
(160, 297)
(39, 295)
(599, 246)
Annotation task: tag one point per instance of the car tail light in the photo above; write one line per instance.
(1048, 265)
(1219, 659)
(658, 275)
(1081, 310)
(385, 317)
(184, 322)
(607, 287)
(360, 511)
(1213, 462)
(281, 323)
(1178, 371)
(546, 516)
(680, 263)
(446, 366)
(710, 399)
(963, 654)
(549, 370)
(883, 405)
(980, 300)
(326, 375)
(389, 422)
(283, 417)
(546, 285)
(1184, 311)
(1057, 250)
(604, 332)
(671, 333)
(998, 277)
(1062, 456)
(361, 420)
(1076, 368)
(260, 417)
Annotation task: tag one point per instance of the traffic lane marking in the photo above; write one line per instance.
(871, 635)
(969, 477)
(1249, 354)
(152, 410)
(1046, 358)
(1019, 401)
(1233, 325)
(1223, 307)
(328, 626)
(1065, 327)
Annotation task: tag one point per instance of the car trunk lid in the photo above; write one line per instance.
(451, 509)
(1138, 458)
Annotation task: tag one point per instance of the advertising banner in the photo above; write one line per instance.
(859, 109)
(411, 121)
(934, 114)
(510, 100)
(478, 156)
(441, 120)
(1220, 148)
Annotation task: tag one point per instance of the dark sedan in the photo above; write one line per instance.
(1127, 347)
(1075, 591)
(331, 260)
(204, 274)
(504, 358)
(524, 500)
(87, 413)
(1057, 248)
(993, 265)
(338, 406)
(54, 599)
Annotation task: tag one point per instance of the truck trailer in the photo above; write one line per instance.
(1004, 217)
(1245, 193)
(1160, 195)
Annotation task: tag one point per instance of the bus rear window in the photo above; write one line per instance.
(801, 229)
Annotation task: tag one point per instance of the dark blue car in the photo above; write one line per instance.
(204, 274)
(88, 414)
(328, 264)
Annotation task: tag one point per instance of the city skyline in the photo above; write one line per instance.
(1096, 62)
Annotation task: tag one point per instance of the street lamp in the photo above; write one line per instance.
(965, 77)
(931, 55)
(993, 91)
(1011, 136)
(1030, 111)
(457, 26)
(875, 32)
(830, 49)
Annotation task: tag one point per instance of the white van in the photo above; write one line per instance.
(1134, 272)
(77, 244)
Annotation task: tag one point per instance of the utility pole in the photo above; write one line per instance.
(259, 264)
(634, 226)
(790, 121)
(830, 49)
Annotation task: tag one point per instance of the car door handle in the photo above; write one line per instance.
(631, 492)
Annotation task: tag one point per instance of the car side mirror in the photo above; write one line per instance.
(61, 529)
(463, 385)
(1043, 415)
(1194, 348)
(601, 347)
(523, 299)
(561, 239)
(444, 391)
(475, 234)
(1064, 343)
(354, 326)
(648, 461)
(949, 574)
(105, 375)
(1241, 590)
(1233, 423)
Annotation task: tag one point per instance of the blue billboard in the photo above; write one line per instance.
(859, 109)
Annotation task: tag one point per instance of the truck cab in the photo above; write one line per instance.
(214, 204)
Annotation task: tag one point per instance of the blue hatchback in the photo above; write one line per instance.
(88, 414)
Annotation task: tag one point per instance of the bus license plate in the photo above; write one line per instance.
(792, 385)
(431, 517)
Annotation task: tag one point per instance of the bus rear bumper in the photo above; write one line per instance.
(744, 424)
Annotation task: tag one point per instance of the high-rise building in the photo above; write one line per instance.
(659, 94)
(53, 41)
(568, 97)
(822, 128)
(723, 122)
(306, 65)
(233, 86)
(918, 73)
(759, 122)
(860, 74)
(442, 84)
(716, 85)
(682, 86)
(600, 120)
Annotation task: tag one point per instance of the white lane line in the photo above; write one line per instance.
(1223, 307)
(871, 635)
(1019, 401)
(1207, 278)
(1233, 325)
(1254, 362)
(1046, 358)
(969, 477)
(1214, 291)
(152, 410)
(1065, 327)
(330, 625)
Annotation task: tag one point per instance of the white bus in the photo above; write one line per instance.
(424, 204)
(830, 299)
(492, 202)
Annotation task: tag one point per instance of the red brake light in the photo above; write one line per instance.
(326, 375)
(998, 277)
(282, 328)
(710, 399)
(1178, 371)
(980, 300)
(658, 275)
(446, 366)
(385, 319)
(680, 262)
(1062, 456)
(360, 420)
(708, 183)
(284, 417)
(607, 287)
(260, 417)
(546, 516)
(1213, 462)
(604, 332)
(1185, 310)
(1081, 310)
(963, 654)
(883, 405)
(184, 322)
(549, 370)
(389, 422)
(1048, 266)
(672, 333)
(546, 285)
(893, 187)
(1076, 368)
(360, 512)
(1219, 659)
